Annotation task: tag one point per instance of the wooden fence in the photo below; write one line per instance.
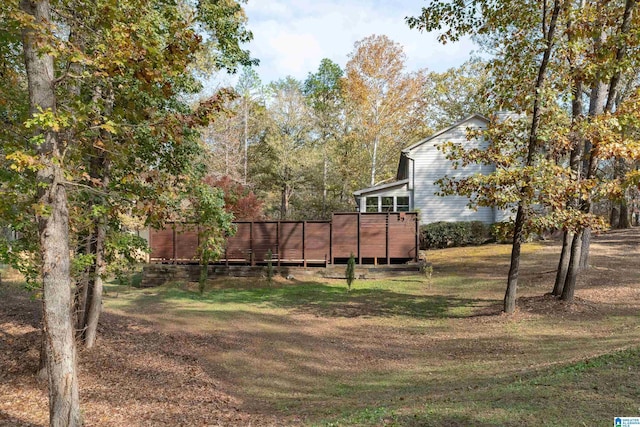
(373, 238)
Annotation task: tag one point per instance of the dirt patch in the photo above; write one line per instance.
(136, 376)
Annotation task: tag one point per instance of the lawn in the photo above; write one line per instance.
(405, 351)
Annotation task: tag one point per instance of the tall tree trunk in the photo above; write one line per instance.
(325, 171)
(574, 164)
(82, 293)
(374, 156)
(624, 222)
(596, 107)
(514, 267)
(563, 264)
(509, 302)
(102, 171)
(616, 214)
(53, 229)
(94, 308)
(600, 104)
(284, 205)
(246, 139)
(573, 270)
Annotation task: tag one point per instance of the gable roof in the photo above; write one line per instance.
(440, 132)
(381, 187)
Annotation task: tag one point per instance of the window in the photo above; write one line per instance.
(387, 204)
(372, 204)
(402, 204)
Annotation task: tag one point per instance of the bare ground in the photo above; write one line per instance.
(154, 368)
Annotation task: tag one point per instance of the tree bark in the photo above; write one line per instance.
(590, 164)
(94, 308)
(284, 203)
(602, 100)
(509, 302)
(514, 267)
(82, 293)
(53, 229)
(624, 222)
(573, 270)
(374, 156)
(574, 164)
(563, 264)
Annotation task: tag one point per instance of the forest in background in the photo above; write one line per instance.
(303, 147)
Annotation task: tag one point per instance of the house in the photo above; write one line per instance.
(420, 166)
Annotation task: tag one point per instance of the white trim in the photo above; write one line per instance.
(381, 187)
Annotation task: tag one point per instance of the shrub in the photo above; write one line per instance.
(350, 272)
(451, 234)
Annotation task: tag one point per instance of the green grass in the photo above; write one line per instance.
(381, 298)
(410, 351)
(586, 393)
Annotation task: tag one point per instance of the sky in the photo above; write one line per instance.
(291, 37)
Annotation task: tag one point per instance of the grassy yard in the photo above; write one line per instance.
(406, 351)
(412, 351)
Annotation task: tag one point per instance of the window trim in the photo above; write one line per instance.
(379, 205)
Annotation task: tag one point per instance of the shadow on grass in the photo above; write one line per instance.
(286, 369)
(326, 301)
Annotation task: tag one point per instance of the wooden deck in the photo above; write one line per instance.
(373, 238)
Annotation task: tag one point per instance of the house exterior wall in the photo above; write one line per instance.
(401, 191)
(431, 165)
(422, 164)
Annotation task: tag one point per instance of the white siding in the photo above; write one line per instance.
(402, 191)
(431, 165)
(399, 191)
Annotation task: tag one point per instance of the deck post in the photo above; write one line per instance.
(386, 246)
(359, 231)
(252, 260)
(333, 261)
(278, 254)
(226, 253)
(175, 246)
(417, 232)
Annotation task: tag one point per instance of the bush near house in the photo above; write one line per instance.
(443, 234)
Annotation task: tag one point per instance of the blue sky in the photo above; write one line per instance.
(292, 36)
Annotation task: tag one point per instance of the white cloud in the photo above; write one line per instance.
(292, 36)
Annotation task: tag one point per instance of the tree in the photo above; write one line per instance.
(285, 154)
(238, 199)
(323, 91)
(106, 119)
(457, 93)
(546, 39)
(52, 216)
(383, 102)
(250, 89)
(563, 43)
(243, 124)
